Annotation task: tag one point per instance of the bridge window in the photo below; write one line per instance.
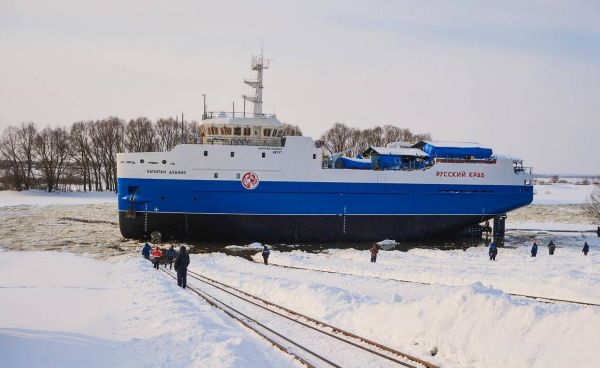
(205, 153)
(232, 154)
(216, 175)
(263, 155)
(247, 131)
(314, 156)
(237, 131)
(267, 132)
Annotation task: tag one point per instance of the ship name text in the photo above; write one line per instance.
(460, 174)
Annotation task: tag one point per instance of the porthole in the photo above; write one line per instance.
(162, 198)
(141, 161)
(164, 162)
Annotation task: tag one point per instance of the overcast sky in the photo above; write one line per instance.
(521, 77)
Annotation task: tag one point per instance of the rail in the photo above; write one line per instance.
(322, 328)
(235, 114)
(536, 297)
(320, 323)
(269, 142)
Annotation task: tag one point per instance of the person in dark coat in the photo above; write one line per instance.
(374, 250)
(146, 251)
(181, 264)
(493, 251)
(586, 249)
(534, 249)
(170, 257)
(265, 254)
(551, 247)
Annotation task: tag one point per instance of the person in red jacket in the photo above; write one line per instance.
(156, 253)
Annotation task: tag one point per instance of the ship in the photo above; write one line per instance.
(242, 179)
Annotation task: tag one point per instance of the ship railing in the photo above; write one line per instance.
(241, 141)
(466, 160)
(234, 114)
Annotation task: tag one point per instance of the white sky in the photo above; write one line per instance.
(521, 77)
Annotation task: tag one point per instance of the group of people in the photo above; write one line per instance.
(182, 261)
(552, 248)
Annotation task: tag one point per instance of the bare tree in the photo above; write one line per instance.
(337, 138)
(52, 151)
(9, 151)
(592, 207)
(169, 132)
(27, 133)
(291, 130)
(140, 136)
(109, 138)
(81, 144)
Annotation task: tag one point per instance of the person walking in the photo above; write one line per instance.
(586, 249)
(374, 250)
(265, 254)
(181, 264)
(534, 248)
(156, 253)
(146, 251)
(551, 247)
(493, 251)
(170, 257)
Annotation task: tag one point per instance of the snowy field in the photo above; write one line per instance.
(564, 193)
(41, 198)
(63, 309)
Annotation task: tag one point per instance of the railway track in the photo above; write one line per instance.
(542, 299)
(311, 342)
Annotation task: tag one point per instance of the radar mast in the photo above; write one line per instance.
(258, 63)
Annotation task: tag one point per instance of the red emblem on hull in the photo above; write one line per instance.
(250, 180)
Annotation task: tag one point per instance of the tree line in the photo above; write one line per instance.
(85, 153)
(353, 141)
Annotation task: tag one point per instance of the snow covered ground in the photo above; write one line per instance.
(41, 198)
(565, 193)
(63, 310)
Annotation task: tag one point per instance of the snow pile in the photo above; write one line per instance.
(387, 244)
(40, 198)
(62, 310)
(561, 194)
(471, 323)
(253, 246)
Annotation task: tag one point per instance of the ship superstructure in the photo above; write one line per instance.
(243, 180)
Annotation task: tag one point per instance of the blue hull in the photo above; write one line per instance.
(308, 211)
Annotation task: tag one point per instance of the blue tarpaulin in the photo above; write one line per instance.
(455, 150)
(356, 163)
(389, 161)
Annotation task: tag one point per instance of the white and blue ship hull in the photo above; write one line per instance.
(197, 192)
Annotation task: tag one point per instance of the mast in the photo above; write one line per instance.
(258, 63)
